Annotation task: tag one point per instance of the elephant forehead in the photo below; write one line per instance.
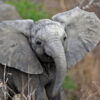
(52, 30)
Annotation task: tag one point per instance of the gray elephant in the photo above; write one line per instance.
(35, 56)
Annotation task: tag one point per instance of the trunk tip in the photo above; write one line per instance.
(55, 92)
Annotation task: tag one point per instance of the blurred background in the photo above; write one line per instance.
(82, 81)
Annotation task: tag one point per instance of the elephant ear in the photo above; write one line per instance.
(83, 33)
(15, 50)
(23, 26)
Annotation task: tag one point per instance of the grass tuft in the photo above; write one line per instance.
(29, 10)
(68, 83)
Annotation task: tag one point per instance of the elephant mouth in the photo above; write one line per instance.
(46, 59)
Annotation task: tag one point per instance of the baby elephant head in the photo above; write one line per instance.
(48, 39)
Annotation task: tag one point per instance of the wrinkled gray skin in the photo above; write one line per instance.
(56, 45)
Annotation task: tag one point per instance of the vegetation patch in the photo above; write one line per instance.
(29, 10)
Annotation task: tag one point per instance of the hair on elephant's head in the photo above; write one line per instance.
(65, 39)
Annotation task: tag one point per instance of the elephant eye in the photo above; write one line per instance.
(38, 42)
(64, 38)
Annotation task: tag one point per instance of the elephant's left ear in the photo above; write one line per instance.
(83, 33)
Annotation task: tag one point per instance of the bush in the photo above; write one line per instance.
(29, 10)
(69, 84)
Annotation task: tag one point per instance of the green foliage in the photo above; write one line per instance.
(28, 10)
(68, 83)
(70, 97)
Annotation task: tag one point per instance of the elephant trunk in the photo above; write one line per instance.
(57, 53)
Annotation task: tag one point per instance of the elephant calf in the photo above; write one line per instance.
(35, 56)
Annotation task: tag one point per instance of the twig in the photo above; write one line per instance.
(62, 4)
(5, 87)
(88, 5)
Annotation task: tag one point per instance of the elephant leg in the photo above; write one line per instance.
(39, 94)
(27, 89)
(21, 86)
(34, 89)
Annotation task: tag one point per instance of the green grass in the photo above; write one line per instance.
(68, 83)
(29, 10)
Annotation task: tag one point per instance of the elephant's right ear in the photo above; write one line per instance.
(83, 33)
(23, 26)
(15, 50)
